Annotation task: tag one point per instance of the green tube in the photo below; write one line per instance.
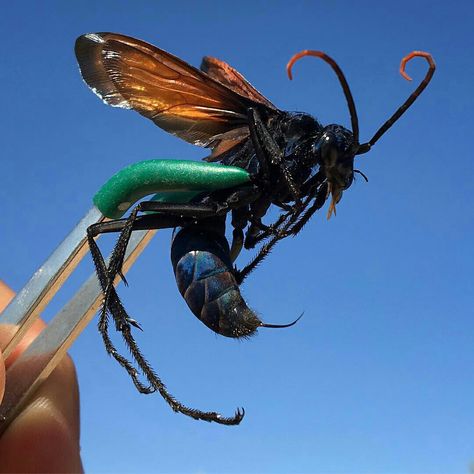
(173, 180)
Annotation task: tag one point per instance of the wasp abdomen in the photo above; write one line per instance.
(203, 271)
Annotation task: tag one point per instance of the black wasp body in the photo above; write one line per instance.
(293, 161)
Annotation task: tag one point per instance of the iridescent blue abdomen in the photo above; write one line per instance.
(203, 269)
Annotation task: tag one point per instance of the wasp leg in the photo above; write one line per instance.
(267, 231)
(112, 303)
(297, 220)
(125, 227)
(240, 275)
(319, 200)
(244, 204)
(284, 206)
(181, 211)
(239, 222)
(116, 308)
(316, 188)
(281, 229)
(257, 210)
(266, 148)
(185, 215)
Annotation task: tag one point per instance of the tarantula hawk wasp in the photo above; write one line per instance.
(293, 162)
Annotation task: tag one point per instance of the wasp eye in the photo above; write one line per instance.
(325, 145)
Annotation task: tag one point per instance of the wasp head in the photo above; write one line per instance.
(338, 146)
(335, 154)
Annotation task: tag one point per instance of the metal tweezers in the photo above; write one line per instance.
(45, 352)
(172, 179)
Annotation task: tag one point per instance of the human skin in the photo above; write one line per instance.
(44, 437)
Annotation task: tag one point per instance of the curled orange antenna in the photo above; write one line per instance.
(342, 80)
(413, 96)
(414, 54)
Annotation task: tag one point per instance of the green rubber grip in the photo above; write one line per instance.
(174, 180)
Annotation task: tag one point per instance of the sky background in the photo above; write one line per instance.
(378, 375)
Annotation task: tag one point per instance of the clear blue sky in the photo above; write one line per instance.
(378, 375)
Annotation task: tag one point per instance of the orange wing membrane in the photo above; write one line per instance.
(129, 73)
(228, 76)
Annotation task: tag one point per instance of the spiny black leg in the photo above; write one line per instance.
(287, 224)
(258, 209)
(106, 278)
(240, 275)
(176, 215)
(126, 226)
(125, 363)
(172, 215)
(319, 201)
(103, 320)
(298, 219)
(266, 148)
(179, 210)
(177, 406)
(270, 230)
(277, 235)
(242, 203)
(295, 220)
(284, 206)
(258, 231)
(262, 157)
(155, 382)
(121, 318)
(139, 223)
